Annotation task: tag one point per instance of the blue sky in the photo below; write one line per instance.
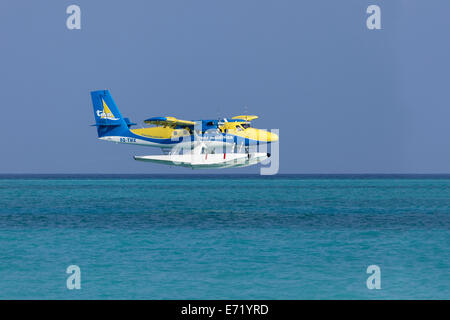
(345, 99)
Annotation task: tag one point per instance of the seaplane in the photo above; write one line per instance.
(212, 143)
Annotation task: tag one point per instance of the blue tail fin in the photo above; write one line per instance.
(108, 120)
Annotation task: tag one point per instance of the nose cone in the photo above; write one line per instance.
(262, 136)
(273, 137)
(267, 136)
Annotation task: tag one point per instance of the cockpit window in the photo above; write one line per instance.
(246, 125)
(239, 128)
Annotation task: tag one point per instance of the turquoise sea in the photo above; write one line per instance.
(224, 237)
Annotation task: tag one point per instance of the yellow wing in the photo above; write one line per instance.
(164, 121)
(245, 118)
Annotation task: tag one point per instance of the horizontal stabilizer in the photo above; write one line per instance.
(129, 123)
(105, 124)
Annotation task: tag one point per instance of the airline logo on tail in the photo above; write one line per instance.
(106, 113)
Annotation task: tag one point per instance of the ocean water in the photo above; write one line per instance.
(225, 237)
